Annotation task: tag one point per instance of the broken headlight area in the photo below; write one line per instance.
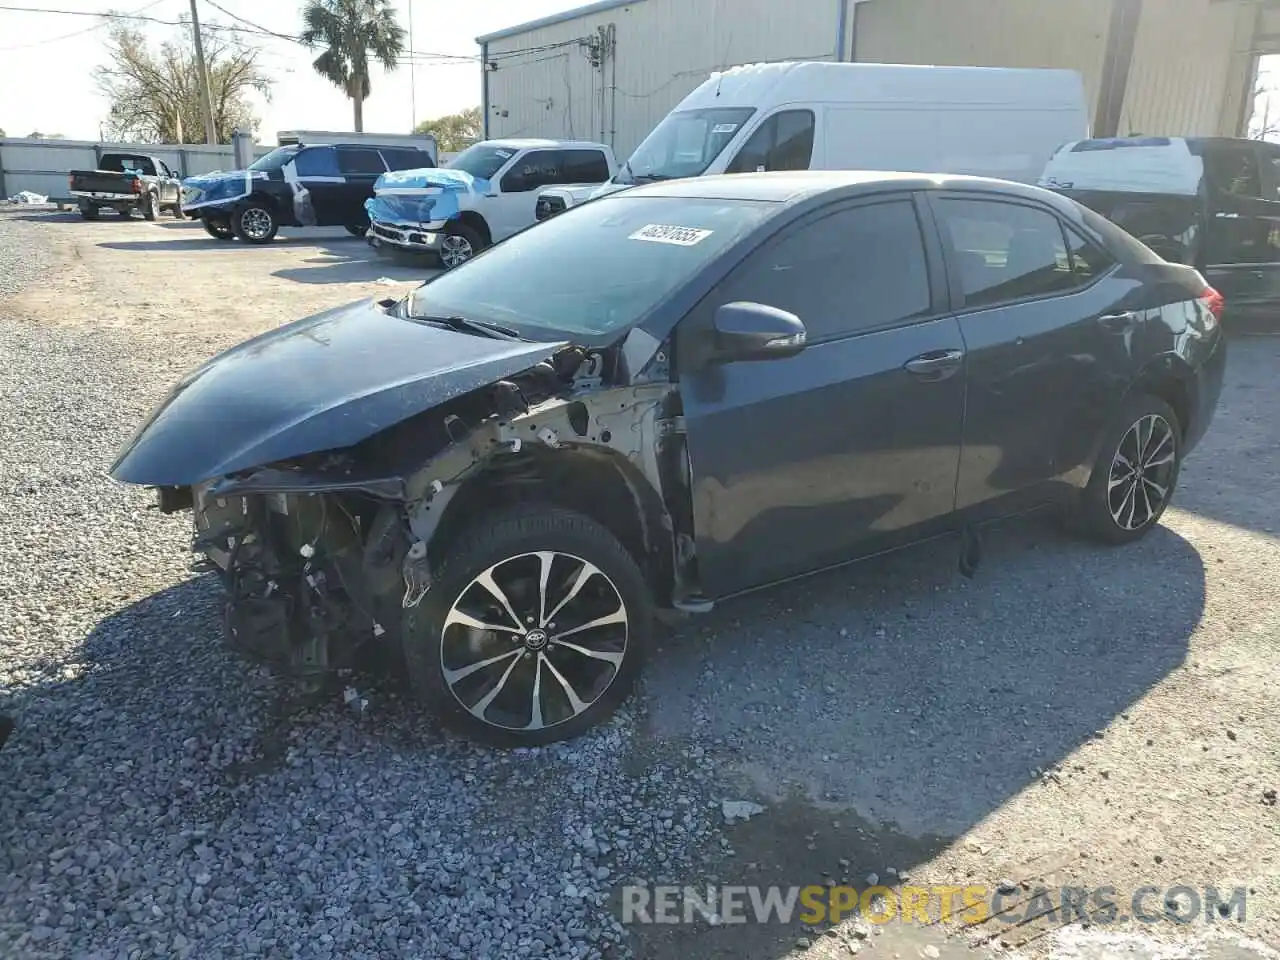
(313, 580)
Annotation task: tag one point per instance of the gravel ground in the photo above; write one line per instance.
(1111, 716)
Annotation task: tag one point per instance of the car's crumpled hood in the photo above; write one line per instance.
(322, 383)
(421, 196)
(220, 187)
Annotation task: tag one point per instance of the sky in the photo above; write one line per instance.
(48, 82)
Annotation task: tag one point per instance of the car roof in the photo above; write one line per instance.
(794, 187)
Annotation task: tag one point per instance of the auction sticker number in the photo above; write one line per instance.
(680, 236)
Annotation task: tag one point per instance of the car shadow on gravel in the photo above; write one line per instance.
(342, 263)
(883, 710)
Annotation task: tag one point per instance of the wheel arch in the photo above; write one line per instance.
(596, 482)
(477, 222)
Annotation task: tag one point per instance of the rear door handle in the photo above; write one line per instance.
(1119, 322)
(935, 366)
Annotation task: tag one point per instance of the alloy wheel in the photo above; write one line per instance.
(534, 641)
(1142, 473)
(455, 250)
(256, 223)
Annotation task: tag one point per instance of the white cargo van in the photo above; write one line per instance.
(983, 121)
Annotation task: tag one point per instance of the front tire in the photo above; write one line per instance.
(357, 229)
(1136, 473)
(255, 223)
(459, 244)
(533, 631)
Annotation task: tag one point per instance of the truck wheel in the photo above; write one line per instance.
(218, 227)
(150, 206)
(534, 628)
(459, 244)
(255, 223)
(88, 211)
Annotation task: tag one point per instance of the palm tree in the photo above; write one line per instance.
(349, 31)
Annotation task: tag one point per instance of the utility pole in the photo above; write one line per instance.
(206, 102)
(413, 80)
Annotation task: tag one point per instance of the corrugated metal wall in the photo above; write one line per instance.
(1182, 62)
(987, 33)
(1190, 66)
(665, 48)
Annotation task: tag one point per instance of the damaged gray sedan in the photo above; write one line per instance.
(499, 478)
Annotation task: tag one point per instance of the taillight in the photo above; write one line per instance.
(1212, 299)
(136, 185)
(71, 181)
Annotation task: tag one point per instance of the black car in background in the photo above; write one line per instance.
(299, 185)
(1209, 202)
(666, 397)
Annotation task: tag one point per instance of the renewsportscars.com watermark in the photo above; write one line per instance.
(926, 905)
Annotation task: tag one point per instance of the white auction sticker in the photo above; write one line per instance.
(663, 233)
(724, 128)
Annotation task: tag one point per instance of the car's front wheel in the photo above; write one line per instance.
(534, 628)
(357, 229)
(1136, 473)
(255, 223)
(458, 245)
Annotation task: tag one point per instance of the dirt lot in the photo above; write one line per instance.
(1071, 716)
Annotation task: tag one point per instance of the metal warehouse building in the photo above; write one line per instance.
(611, 70)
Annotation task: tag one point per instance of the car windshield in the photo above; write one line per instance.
(684, 144)
(274, 160)
(592, 271)
(482, 160)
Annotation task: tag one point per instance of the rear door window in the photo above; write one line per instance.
(1007, 251)
(406, 158)
(783, 142)
(585, 166)
(316, 162)
(360, 161)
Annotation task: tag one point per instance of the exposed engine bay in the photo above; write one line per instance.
(321, 555)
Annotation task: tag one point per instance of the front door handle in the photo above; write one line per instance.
(935, 366)
(1119, 322)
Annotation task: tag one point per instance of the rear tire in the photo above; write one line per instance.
(255, 223)
(150, 207)
(218, 227)
(88, 211)
(1136, 473)
(511, 685)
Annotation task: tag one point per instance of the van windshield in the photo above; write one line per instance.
(684, 144)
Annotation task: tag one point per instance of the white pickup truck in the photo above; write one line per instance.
(482, 196)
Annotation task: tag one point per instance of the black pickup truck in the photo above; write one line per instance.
(126, 182)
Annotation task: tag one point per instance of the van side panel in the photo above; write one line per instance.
(1010, 144)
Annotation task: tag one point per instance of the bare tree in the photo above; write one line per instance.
(1264, 122)
(155, 94)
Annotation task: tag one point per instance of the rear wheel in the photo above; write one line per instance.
(150, 206)
(218, 227)
(89, 211)
(1136, 473)
(458, 245)
(255, 223)
(533, 630)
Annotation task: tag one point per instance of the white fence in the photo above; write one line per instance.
(41, 166)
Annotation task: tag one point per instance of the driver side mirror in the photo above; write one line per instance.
(754, 331)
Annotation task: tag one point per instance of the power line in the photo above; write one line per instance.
(77, 33)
